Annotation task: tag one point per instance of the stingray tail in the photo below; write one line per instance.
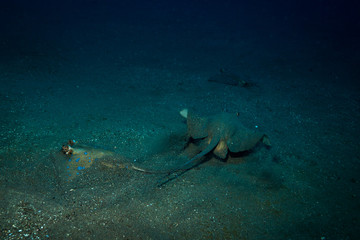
(193, 162)
(209, 148)
(186, 166)
(144, 170)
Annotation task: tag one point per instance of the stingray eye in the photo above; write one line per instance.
(64, 148)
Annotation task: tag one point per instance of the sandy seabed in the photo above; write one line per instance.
(306, 186)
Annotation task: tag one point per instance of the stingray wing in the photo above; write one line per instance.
(197, 126)
(244, 139)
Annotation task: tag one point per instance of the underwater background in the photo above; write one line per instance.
(114, 75)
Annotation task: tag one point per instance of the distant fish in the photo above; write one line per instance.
(229, 78)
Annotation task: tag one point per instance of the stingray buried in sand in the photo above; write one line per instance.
(81, 157)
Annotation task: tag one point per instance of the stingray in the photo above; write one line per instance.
(221, 134)
(80, 157)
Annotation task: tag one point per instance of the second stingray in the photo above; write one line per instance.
(221, 133)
